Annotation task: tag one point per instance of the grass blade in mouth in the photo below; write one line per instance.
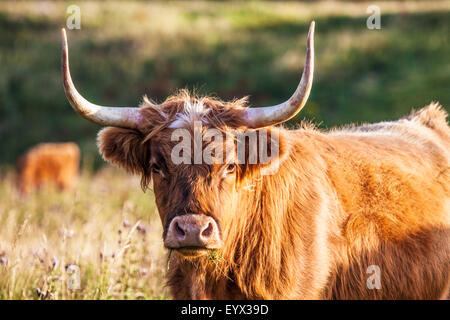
(168, 263)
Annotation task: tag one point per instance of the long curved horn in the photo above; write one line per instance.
(266, 116)
(105, 116)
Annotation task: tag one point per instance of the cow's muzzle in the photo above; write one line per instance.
(193, 234)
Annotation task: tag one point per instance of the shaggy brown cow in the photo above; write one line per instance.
(355, 213)
(48, 164)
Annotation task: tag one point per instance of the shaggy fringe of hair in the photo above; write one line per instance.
(223, 114)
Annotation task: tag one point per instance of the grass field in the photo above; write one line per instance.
(107, 226)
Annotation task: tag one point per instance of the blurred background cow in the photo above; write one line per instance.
(48, 164)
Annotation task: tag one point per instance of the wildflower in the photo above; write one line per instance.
(141, 229)
(55, 262)
(143, 272)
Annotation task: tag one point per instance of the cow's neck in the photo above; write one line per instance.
(269, 243)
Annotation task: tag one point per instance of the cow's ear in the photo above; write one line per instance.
(271, 150)
(125, 148)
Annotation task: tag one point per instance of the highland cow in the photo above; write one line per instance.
(48, 165)
(361, 212)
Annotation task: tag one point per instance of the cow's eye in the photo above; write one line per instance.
(156, 169)
(231, 167)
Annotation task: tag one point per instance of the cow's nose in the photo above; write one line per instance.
(193, 230)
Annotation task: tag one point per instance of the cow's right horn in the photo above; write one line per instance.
(105, 116)
(268, 116)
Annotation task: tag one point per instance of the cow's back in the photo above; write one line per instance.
(393, 184)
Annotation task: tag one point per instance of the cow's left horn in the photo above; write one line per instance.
(105, 116)
(266, 116)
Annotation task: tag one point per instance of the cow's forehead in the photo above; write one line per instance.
(181, 113)
(192, 111)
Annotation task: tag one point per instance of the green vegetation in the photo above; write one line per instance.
(127, 49)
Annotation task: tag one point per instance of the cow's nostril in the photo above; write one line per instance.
(179, 230)
(207, 232)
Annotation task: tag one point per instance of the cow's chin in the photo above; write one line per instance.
(192, 252)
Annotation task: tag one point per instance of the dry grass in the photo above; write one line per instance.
(107, 227)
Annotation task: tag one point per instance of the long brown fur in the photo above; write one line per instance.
(340, 202)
